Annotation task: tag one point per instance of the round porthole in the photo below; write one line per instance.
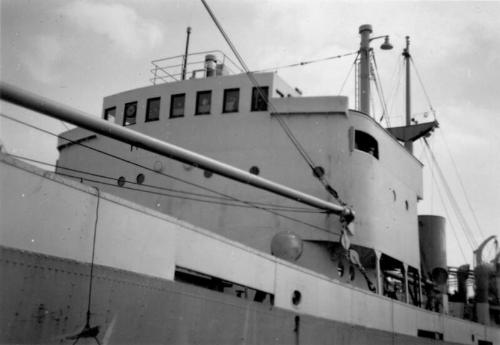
(121, 181)
(207, 173)
(296, 297)
(140, 179)
(255, 170)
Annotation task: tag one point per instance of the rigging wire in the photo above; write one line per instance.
(453, 202)
(193, 199)
(467, 199)
(444, 204)
(398, 84)
(91, 278)
(423, 87)
(481, 233)
(318, 172)
(173, 177)
(211, 199)
(303, 63)
(349, 73)
(380, 90)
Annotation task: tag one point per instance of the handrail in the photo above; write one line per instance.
(31, 101)
(168, 66)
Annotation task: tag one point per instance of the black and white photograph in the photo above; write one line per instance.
(250, 172)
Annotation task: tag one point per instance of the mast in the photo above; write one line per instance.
(364, 68)
(408, 133)
(184, 61)
(407, 56)
(364, 65)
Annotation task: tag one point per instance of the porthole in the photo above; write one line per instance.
(255, 170)
(296, 297)
(140, 179)
(207, 173)
(121, 181)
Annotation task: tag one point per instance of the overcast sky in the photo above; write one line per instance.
(76, 52)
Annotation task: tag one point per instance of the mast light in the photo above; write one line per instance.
(386, 45)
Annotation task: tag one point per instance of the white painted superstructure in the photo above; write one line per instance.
(154, 244)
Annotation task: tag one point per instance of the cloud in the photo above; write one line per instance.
(43, 57)
(120, 24)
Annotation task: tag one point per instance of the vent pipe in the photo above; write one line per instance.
(185, 60)
(210, 65)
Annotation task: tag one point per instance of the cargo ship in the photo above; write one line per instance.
(220, 206)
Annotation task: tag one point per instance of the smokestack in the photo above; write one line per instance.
(432, 239)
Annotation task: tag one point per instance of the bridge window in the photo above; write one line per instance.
(203, 102)
(365, 142)
(153, 109)
(110, 114)
(177, 105)
(259, 98)
(231, 100)
(130, 114)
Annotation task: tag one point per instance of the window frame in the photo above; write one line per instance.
(105, 116)
(255, 98)
(171, 113)
(226, 91)
(124, 123)
(363, 141)
(148, 104)
(201, 93)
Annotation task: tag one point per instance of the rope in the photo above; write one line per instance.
(396, 89)
(481, 233)
(88, 331)
(270, 206)
(172, 177)
(380, 91)
(423, 87)
(349, 73)
(315, 169)
(454, 204)
(446, 210)
(303, 63)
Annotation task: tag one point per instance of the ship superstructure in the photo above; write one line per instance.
(243, 265)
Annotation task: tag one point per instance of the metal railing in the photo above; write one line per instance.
(170, 69)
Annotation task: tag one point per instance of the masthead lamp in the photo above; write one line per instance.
(386, 45)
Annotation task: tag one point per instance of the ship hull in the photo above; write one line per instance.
(46, 299)
(157, 280)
